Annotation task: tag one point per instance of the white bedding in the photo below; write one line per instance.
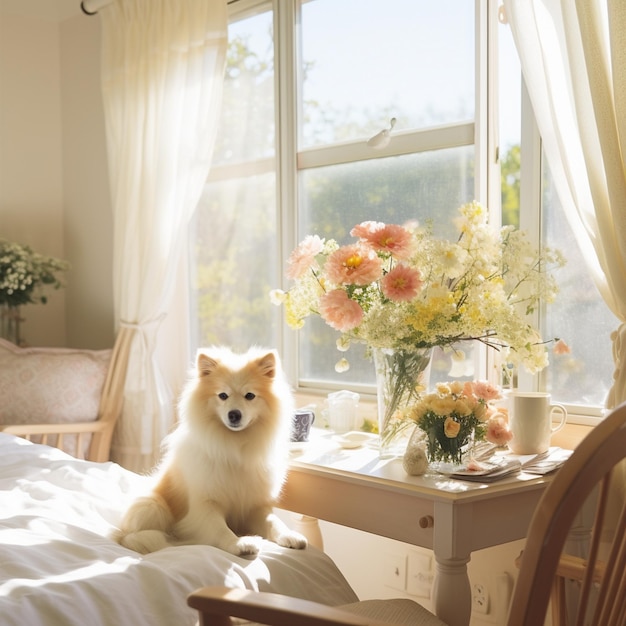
(58, 566)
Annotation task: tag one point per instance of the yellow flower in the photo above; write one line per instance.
(451, 428)
(462, 408)
(480, 411)
(443, 406)
(456, 387)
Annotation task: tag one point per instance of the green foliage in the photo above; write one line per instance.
(24, 274)
(440, 447)
(510, 168)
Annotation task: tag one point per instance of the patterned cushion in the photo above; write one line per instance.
(401, 611)
(50, 385)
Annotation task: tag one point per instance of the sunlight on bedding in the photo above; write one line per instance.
(82, 573)
(58, 565)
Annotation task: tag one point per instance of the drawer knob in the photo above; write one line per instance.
(427, 521)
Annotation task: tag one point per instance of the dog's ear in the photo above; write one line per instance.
(206, 365)
(267, 364)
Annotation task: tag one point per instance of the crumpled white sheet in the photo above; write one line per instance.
(59, 567)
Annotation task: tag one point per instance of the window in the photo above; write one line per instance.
(350, 92)
(582, 378)
(308, 83)
(234, 256)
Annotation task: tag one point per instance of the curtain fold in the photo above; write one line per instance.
(162, 74)
(573, 57)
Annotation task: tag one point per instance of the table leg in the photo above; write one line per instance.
(452, 596)
(309, 527)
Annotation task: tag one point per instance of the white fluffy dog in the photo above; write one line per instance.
(225, 463)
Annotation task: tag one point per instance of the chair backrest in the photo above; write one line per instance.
(91, 439)
(595, 465)
(112, 398)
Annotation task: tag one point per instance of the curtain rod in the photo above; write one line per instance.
(91, 7)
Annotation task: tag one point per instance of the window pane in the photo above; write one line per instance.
(579, 316)
(233, 253)
(246, 129)
(510, 124)
(368, 61)
(424, 187)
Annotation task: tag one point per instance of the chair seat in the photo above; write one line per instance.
(399, 611)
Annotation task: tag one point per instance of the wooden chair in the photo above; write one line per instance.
(591, 465)
(100, 430)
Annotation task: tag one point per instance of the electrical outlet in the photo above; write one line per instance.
(419, 576)
(480, 598)
(395, 571)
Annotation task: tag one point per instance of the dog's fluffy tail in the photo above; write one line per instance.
(145, 526)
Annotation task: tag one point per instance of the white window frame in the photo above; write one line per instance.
(291, 161)
(482, 133)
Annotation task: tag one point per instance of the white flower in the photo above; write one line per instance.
(343, 343)
(24, 274)
(277, 296)
(342, 366)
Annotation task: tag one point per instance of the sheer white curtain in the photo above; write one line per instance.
(573, 56)
(162, 75)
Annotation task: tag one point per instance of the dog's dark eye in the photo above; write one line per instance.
(250, 396)
(222, 396)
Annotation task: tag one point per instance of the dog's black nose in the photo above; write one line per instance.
(234, 416)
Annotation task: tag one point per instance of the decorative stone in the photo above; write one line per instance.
(415, 460)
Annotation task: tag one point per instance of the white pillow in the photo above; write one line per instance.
(50, 385)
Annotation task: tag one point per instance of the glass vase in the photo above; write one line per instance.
(444, 453)
(10, 319)
(400, 377)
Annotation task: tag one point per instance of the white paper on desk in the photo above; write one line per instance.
(546, 462)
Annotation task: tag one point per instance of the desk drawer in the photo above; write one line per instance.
(370, 507)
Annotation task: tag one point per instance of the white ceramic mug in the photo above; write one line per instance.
(530, 421)
(342, 410)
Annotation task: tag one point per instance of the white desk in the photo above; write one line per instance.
(356, 488)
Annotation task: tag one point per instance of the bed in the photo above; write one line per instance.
(58, 565)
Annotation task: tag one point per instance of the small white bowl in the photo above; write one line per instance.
(353, 439)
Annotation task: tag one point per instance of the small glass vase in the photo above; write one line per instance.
(446, 454)
(400, 377)
(10, 320)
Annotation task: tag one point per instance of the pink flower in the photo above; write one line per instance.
(560, 347)
(303, 257)
(401, 284)
(391, 238)
(498, 431)
(482, 390)
(339, 312)
(351, 265)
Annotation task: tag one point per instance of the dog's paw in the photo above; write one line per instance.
(292, 539)
(248, 545)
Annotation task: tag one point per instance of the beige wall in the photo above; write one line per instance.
(53, 179)
(31, 200)
(87, 219)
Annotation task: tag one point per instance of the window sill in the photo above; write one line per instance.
(568, 437)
